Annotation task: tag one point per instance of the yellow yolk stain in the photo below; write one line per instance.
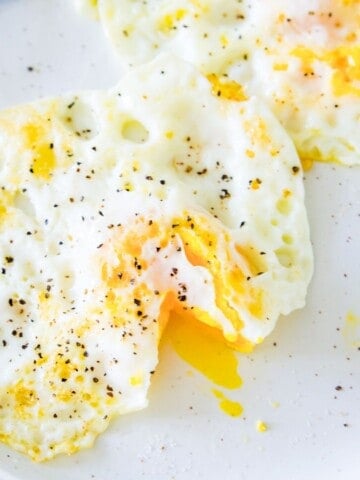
(136, 380)
(169, 21)
(307, 162)
(228, 89)
(261, 426)
(44, 159)
(224, 40)
(351, 330)
(201, 7)
(350, 2)
(234, 409)
(344, 61)
(280, 67)
(201, 247)
(203, 348)
(309, 157)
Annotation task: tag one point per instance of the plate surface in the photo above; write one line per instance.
(314, 431)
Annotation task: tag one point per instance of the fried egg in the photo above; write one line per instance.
(121, 206)
(302, 59)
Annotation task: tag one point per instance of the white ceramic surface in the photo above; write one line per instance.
(299, 366)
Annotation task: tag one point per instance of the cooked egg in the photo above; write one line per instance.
(302, 59)
(118, 207)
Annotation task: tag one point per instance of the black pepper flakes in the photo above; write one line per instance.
(224, 194)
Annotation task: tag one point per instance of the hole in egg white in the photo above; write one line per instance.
(134, 131)
(80, 119)
(286, 256)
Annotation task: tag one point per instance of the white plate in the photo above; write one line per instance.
(307, 438)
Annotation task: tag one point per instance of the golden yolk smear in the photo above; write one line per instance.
(3, 212)
(307, 162)
(351, 330)
(228, 89)
(44, 159)
(234, 409)
(168, 22)
(204, 244)
(308, 158)
(203, 347)
(350, 2)
(261, 426)
(344, 61)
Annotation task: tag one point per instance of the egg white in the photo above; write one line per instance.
(117, 207)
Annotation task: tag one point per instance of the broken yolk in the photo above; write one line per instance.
(203, 347)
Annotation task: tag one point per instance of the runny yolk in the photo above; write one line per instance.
(234, 409)
(204, 348)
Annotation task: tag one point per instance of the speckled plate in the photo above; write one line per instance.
(304, 381)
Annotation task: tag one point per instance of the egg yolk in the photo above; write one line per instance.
(204, 349)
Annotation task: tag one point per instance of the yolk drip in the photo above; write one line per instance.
(234, 409)
(307, 162)
(204, 349)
